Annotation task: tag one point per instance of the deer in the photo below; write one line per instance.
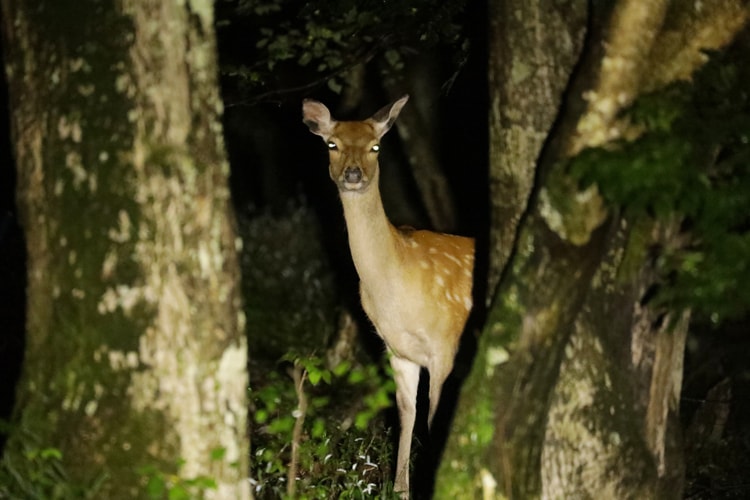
(415, 285)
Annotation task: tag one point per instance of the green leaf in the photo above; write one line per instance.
(318, 429)
(356, 376)
(335, 86)
(320, 402)
(342, 368)
(178, 493)
(48, 453)
(281, 425)
(314, 376)
(362, 420)
(155, 488)
(305, 59)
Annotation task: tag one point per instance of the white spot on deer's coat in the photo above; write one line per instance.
(453, 258)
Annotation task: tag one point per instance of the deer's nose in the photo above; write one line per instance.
(352, 175)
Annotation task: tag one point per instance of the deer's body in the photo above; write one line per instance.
(415, 286)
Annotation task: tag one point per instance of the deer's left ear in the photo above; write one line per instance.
(383, 120)
(317, 118)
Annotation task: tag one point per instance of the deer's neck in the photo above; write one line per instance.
(372, 238)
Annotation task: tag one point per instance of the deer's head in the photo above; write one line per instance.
(352, 146)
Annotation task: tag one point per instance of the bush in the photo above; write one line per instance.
(300, 427)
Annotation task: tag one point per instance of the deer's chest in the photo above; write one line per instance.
(401, 322)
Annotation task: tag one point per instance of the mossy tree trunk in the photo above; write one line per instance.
(574, 390)
(135, 349)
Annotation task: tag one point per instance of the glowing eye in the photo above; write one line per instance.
(375, 148)
(332, 146)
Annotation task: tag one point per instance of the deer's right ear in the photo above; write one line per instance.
(317, 118)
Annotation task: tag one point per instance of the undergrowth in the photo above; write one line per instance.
(317, 434)
(317, 430)
(287, 283)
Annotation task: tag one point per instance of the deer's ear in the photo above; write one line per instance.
(317, 118)
(383, 120)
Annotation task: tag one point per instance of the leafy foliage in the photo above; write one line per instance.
(161, 485)
(339, 449)
(691, 162)
(324, 39)
(41, 473)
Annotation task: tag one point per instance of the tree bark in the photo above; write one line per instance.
(532, 50)
(573, 389)
(611, 423)
(135, 353)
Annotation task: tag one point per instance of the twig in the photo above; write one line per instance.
(299, 374)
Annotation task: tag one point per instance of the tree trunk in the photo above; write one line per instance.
(528, 72)
(573, 392)
(135, 354)
(532, 49)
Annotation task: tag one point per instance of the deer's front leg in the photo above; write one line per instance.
(406, 375)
